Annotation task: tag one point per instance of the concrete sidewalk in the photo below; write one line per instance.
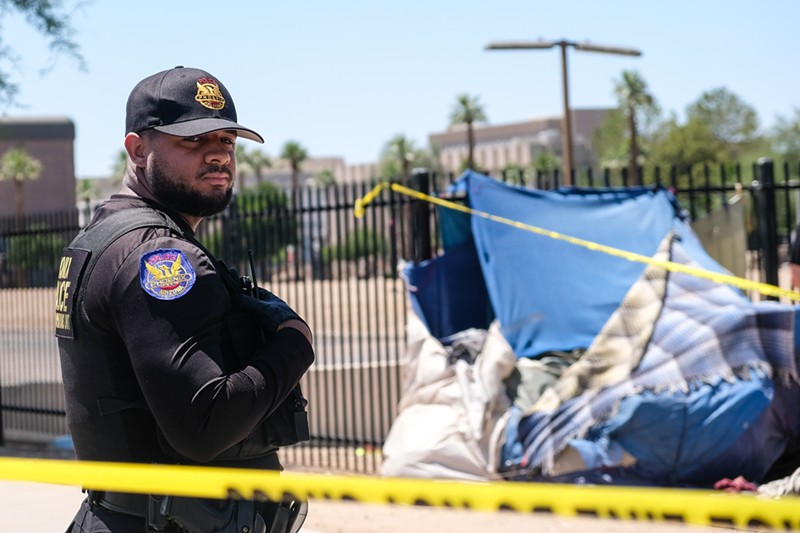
(28, 507)
(43, 508)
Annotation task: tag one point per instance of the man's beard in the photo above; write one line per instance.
(180, 197)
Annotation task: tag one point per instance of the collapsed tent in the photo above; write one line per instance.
(674, 379)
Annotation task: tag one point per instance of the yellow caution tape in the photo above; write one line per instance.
(699, 507)
(742, 283)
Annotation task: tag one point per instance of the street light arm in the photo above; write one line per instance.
(563, 44)
(589, 47)
(520, 45)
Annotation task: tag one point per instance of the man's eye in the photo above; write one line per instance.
(191, 139)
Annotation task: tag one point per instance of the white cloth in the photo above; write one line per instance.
(452, 413)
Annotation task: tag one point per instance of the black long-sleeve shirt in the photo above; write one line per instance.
(152, 374)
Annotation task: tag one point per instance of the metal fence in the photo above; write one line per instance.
(342, 274)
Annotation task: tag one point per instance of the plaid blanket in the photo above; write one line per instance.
(671, 332)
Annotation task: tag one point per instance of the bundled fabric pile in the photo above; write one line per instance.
(594, 366)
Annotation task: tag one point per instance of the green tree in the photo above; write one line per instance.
(325, 177)
(253, 161)
(38, 248)
(397, 156)
(50, 19)
(684, 145)
(426, 158)
(34, 255)
(514, 174)
(264, 227)
(546, 163)
(464, 166)
(361, 246)
(431, 158)
(719, 130)
(119, 167)
(17, 166)
(468, 110)
(295, 154)
(608, 141)
(635, 100)
(261, 224)
(86, 190)
(732, 123)
(785, 138)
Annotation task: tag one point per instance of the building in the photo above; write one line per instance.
(519, 143)
(280, 173)
(50, 140)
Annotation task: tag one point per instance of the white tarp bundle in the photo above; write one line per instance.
(452, 412)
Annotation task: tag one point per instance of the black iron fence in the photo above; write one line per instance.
(342, 274)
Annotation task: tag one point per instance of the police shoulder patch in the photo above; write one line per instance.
(166, 274)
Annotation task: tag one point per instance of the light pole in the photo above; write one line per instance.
(566, 124)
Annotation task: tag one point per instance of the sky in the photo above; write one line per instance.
(343, 77)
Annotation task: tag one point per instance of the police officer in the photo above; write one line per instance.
(164, 358)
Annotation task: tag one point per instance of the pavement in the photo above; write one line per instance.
(30, 507)
(42, 508)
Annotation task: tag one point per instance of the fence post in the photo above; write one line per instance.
(420, 218)
(229, 232)
(2, 434)
(767, 221)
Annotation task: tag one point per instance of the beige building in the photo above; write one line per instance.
(519, 143)
(50, 140)
(496, 147)
(280, 173)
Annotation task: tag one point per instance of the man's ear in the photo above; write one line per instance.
(134, 145)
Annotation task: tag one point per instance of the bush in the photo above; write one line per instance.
(357, 244)
(37, 249)
(256, 220)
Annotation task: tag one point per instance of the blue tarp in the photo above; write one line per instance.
(700, 403)
(448, 292)
(549, 294)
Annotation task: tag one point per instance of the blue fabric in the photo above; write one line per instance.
(553, 295)
(672, 433)
(699, 404)
(708, 360)
(448, 292)
(728, 429)
(454, 227)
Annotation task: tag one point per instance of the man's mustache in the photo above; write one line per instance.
(216, 169)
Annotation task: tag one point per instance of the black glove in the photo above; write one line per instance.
(270, 310)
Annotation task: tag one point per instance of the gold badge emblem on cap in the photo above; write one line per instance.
(208, 94)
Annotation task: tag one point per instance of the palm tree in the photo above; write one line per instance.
(632, 94)
(254, 161)
(17, 166)
(325, 177)
(119, 168)
(397, 155)
(468, 110)
(295, 154)
(257, 161)
(86, 190)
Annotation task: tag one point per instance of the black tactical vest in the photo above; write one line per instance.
(109, 420)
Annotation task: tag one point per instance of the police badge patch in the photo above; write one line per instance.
(166, 274)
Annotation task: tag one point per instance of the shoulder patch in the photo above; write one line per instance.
(166, 274)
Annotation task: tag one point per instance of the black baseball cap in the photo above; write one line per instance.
(183, 102)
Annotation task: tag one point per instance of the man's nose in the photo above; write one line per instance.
(219, 154)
